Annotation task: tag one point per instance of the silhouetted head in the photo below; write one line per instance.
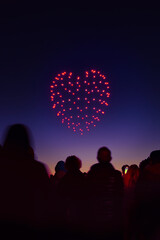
(155, 157)
(104, 155)
(60, 166)
(17, 139)
(144, 163)
(73, 163)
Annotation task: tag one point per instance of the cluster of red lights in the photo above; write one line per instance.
(80, 101)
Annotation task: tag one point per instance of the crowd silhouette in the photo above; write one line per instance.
(103, 203)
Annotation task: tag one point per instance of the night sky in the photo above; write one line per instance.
(123, 42)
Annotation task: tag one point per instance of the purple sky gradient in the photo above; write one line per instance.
(123, 43)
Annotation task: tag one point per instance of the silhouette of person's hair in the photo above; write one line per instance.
(104, 155)
(60, 166)
(73, 163)
(143, 164)
(155, 157)
(17, 139)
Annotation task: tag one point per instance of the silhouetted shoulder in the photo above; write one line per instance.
(118, 173)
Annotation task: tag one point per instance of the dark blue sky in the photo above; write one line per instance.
(37, 42)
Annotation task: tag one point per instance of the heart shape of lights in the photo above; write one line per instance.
(79, 101)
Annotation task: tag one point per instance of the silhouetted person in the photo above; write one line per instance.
(24, 183)
(130, 180)
(146, 220)
(105, 195)
(60, 171)
(71, 190)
